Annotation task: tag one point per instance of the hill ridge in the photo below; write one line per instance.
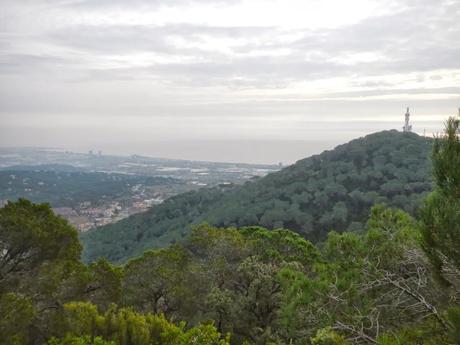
(330, 190)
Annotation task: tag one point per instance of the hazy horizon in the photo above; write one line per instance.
(237, 151)
(249, 152)
(114, 75)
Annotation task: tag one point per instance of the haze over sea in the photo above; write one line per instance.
(263, 81)
(241, 151)
(307, 140)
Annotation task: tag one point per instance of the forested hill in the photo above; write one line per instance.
(333, 190)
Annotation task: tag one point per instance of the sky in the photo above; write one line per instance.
(224, 80)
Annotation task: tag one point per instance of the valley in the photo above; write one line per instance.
(330, 191)
(91, 190)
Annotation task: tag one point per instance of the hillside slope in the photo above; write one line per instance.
(66, 186)
(332, 190)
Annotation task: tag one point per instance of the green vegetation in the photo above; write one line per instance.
(227, 286)
(61, 186)
(440, 216)
(395, 282)
(47, 296)
(441, 211)
(333, 190)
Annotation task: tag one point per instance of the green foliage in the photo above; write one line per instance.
(229, 275)
(333, 190)
(440, 216)
(372, 286)
(124, 326)
(73, 340)
(204, 335)
(40, 265)
(327, 336)
(17, 314)
(32, 236)
(299, 290)
(446, 159)
(154, 282)
(453, 316)
(426, 333)
(275, 287)
(366, 284)
(70, 188)
(281, 245)
(41, 270)
(103, 285)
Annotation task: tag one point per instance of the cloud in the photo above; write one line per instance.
(413, 39)
(141, 3)
(212, 62)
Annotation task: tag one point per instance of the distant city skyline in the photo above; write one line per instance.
(203, 79)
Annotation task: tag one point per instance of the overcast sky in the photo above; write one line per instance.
(131, 76)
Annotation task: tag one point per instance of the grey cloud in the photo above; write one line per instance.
(98, 4)
(424, 36)
(372, 83)
(30, 63)
(254, 73)
(67, 72)
(395, 91)
(123, 39)
(217, 68)
(112, 39)
(420, 38)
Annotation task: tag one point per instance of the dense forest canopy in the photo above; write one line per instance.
(227, 286)
(396, 282)
(65, 186)
(333, 190)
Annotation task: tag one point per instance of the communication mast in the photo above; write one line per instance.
(407, 127)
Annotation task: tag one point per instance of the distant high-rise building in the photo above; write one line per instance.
(407, 127)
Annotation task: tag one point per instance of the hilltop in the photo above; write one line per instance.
(332, 190)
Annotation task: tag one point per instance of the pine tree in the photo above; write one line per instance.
(440, 215)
